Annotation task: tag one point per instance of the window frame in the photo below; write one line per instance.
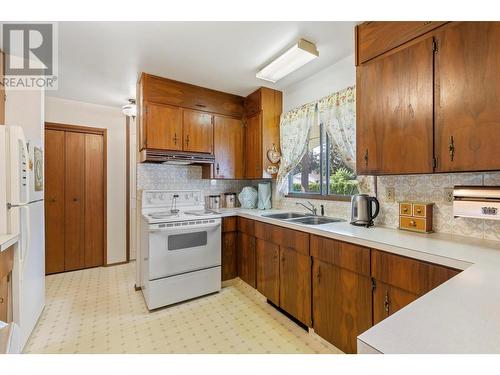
(325, 168)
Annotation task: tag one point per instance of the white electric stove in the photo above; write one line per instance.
(180, 247)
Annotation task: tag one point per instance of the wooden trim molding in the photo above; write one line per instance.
(75, 128)
(127, 192)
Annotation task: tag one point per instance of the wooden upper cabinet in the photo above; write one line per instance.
(228, 147)
(262, 116)
(167, 91)
(163, 127)
(395, 112)
(253, 146)
(468, 100)
(198, 131)
(377, 37)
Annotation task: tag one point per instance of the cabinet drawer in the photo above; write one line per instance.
(419, 210)
(409, 274)
(246, 226)
(290, 238)
(229, 224)
(412, 223)
(405, 209)
(343, 254)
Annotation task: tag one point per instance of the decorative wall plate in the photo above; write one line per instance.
(274, 155)
(272, 169)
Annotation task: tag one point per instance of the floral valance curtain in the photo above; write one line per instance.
(294, 135)
(337, 113)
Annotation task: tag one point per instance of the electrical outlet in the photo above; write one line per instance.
(448, 195)
(390, 194)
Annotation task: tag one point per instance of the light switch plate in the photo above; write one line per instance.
(390, 194)
(448, 195)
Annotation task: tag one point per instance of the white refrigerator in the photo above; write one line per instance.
(23, 163)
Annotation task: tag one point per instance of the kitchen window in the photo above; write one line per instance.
(322, 173)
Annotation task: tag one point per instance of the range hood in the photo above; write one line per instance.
(482, 202)
(175, 157)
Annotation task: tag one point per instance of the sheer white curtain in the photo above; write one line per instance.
(294, 135)
(337, 113)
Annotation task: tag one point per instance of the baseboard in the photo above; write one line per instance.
(115, 264)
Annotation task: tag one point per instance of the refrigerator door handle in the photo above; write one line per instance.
(26, 160)
(25, 247)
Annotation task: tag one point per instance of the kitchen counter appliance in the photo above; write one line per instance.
(362, 210)
(180, 250)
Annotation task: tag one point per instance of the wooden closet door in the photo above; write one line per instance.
(94, 200)
(54, 201)
(198, 131)
(74, 256)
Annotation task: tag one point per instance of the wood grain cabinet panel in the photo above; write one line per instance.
(342, 304)
(74, 209)
(229, 255)
(295, 284)
(284, 237)
(163, 126)
(54, 200)
(468, 97)
(246, 258)
(253, 146)
(378, 37)
(228, 148)
(198, 131)
(387, 299)
(395, 112)
(268, 270)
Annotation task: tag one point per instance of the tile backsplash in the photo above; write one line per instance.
(182, 177)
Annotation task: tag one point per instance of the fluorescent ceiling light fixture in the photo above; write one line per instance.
(291, 60)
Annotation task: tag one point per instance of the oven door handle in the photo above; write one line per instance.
(182, 229)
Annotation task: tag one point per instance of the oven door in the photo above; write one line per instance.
(177, 248)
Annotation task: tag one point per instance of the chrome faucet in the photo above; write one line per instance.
(313, 209)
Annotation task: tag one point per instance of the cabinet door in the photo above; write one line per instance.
(388, 299)
(228, 147)
(198, 130)
(54, 201)
(295, 284)
(74, 213)
(394, 130)
(468, 97)
(246, 258)
(342, 304)
(253, 146)
(268, 270)
(163, 127)
(94, 200)
(229, 256)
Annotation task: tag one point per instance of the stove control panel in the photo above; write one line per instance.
(184, 198)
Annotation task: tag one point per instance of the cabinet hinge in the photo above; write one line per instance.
(434, 163)
(374, 284)
(435, 45)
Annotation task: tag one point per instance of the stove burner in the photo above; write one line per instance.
(163, 215)
(200, 213)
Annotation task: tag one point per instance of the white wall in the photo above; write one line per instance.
(85, 114)
(334, 78)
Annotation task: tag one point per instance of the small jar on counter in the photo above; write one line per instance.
(230, 200)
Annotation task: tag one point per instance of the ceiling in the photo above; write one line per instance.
(99, 62)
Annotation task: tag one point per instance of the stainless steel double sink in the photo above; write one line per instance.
(297, 218)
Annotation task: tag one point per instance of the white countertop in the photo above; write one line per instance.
(7, 240)
(460, 316)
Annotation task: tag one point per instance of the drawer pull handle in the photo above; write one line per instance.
(419, 211)
(175, 138)
(413, 223)
(386, 302)
(451, 148)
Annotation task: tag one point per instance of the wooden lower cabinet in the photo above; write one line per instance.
(229, 255)
(388, 299)
(268, 270)
(295, 284)
(246, 258)
(342, 304)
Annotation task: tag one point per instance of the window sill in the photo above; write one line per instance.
(339, 198)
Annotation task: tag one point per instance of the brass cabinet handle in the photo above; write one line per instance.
(1, 299)
(451, 148)
(366, 158)
(175, 138)
(412, 223)
(405, 209)
(419, 211)
(187, 140)
(386, 302)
